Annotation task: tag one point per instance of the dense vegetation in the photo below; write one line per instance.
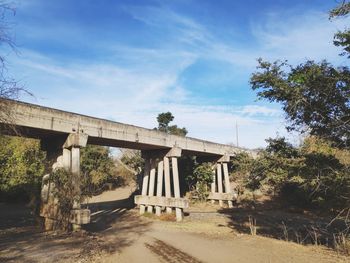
(314, 175)
(22, 165)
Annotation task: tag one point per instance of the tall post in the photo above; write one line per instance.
(75, 168)
(179, 213)
(159, 184)
(145, 183)
(151, 184)
(213, 186)
(67, 159)
(167, 181)
(227, 183)
(219, 173)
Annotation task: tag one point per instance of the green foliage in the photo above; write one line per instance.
(163, 121)
(22, 165)
(315, 174)
(342, 38)
(201, 178)
(67, 192)
(163, 124)
(98, 169)
(314, 96)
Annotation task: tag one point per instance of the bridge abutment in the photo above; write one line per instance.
(67, 158)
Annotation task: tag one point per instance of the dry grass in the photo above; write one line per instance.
(341, 243)
(252, 226)
(168, 217)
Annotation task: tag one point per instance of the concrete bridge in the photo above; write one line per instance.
(63, 133)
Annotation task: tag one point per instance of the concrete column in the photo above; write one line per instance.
(67, 159)
(75, 160)
(179, 212)
(75, 169)
(167, 181)
(227, 182)
(145, 183)
(159, 184)
(151, 184)
(213, 185)
(219, 174)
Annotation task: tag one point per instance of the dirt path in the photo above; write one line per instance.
(118, 234)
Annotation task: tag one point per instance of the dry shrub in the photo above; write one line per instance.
(341, 243)
(168, 217)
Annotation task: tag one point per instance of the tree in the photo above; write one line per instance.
(98, 168)
(201, 177)
(9, 88)
(314, 96)
(342, 38)
(22, 165)
(163, 124)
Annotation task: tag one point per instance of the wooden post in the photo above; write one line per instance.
(145, 183)
(167, 181)
(179, 213)
(159, 184)
(151, 184)
(227, 183)
(219, 171)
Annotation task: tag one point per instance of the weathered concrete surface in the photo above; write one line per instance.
(162, 201)
(222, 196)
(42, 122)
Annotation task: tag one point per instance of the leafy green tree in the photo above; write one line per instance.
(164, 120)
(200, 180)
(342, 38)
(22, 165)
(314, 96)
(98, 169)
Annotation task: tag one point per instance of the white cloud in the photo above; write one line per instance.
(138, 83)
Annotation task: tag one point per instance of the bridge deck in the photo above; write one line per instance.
(42, 122)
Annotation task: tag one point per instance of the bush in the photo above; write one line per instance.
(97, 168)
(22, 165)
(200, 180)
(313, 175)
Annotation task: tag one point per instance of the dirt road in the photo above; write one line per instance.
(118, 234)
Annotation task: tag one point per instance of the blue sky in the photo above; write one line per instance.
(130, 60)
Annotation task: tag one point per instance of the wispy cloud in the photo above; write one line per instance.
(137, 82)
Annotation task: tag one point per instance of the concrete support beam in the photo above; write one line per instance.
(222, 196)
(174, 152)
(219, 176)
(67, 159)
(145, 183)
(167, 181)
(151, 184)
(213, 185)
(179, 203)
(159, 184)
(227, 183)
(76, 140)
(179, 212)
